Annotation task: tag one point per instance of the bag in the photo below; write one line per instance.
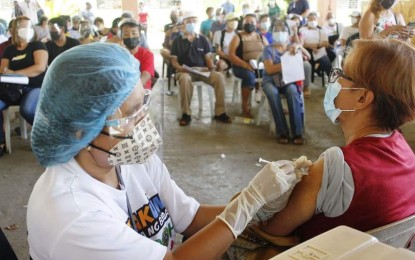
(11, 94)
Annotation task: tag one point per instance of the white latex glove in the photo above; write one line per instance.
(292, 174)
(267, 186)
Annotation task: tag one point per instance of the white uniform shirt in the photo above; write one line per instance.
(226, 40)
(74, 216)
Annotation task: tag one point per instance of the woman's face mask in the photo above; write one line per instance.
(249, 27)
(26, 34)
(313, 24)
(280, 37)
(232, 25)
(265, 25)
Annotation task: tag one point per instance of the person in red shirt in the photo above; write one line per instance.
(130, 35)
(143, 17)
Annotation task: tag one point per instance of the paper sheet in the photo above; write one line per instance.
(198, 71)
(14, 79)
(292, 67)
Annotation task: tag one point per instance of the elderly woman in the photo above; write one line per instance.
(245, 46)
(105, 194)
(274, 87)
(25, 57)
(369, 182)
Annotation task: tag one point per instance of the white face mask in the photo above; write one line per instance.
(219, 18)
(313, 24)
(355, 20)
(233, 25)
(280, 37)
(144, 142)
(331, 21)
(26, 34)
(265, 26)
(245, 11)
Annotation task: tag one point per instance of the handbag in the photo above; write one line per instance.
(11, 94)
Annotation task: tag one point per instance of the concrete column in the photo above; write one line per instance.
(130, 5)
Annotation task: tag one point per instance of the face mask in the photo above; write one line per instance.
(313, 24)
(145, 140)
(55, 35)
(355, 20)
(219, 19)
(232, 25)
(131, 43)
(26, 34)
(101, 27)
(332, 21)
(280, 37)
(191, 27)
(249, 27)
(265, 26)
(332, 91)
(245, 11)
(386, 4)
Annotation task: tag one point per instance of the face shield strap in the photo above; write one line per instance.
(117, 136)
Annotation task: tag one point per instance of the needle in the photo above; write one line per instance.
(262, 160)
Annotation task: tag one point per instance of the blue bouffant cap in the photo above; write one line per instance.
(81, 89)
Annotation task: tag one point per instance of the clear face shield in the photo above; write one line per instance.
(25, 30)
(85, 30)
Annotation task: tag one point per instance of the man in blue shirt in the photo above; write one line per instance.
(228, 7)
(207, 24)
(194, 50)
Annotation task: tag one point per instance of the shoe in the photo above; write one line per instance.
(298, 140)
(283, 139)
(258, 96)
(224, 118)
(185, 120)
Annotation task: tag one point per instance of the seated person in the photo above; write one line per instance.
(86, 33)
(101, 30)
(274, 87)
(333, 30)
(171, 32)
(247, 45)
(264, 27)
(73, 31)
(60, 42)
(112, 36)
(368, 182)
(194, 50)
(350, 30)
(219, 24)
(222, 39)
(315, 40)
(130, 35)
(42, 30)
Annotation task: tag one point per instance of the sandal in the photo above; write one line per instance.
(298, 140)
(283, 139)
(224, 118)
(185, 120)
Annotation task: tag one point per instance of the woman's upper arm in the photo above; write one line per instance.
(366, 25)
(41, 58)
(4, 64)
(302, 203)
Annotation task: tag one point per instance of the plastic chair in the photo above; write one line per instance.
(199, 85)
(23, 126)
(396, 234)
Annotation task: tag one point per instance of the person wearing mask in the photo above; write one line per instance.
(380, 19)
(86, 32)
(59, 42)
(264, 26)
(194, 50)
(247, 45)
(315, 40)
(274, 87)
(101, 29)
(6, 43)
(87, 14)
(221, 41)
(300, 7)
(246, 9)
(333, 30)
(171, 32)
(228, 7)
(207, 24)
(349, 31)
(27, 57)
(42, 30)
(130, 35)
(97, 200)
(342, 187)
(73, 32)
(219, 24)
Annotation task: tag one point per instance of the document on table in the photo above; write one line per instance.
(14, 79)
(197, 70)
(292, 67)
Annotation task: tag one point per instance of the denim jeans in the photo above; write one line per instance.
(295, 108)
(27, 107)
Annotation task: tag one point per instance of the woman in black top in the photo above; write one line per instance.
(25, 57)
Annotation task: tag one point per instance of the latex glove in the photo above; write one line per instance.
(292, 174)
(267, 186)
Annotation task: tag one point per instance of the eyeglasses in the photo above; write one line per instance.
(336, 73)
(118, 126)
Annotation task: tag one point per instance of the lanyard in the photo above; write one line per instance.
(130, 213)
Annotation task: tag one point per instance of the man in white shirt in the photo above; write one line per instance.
(87, 14)
(29, 8)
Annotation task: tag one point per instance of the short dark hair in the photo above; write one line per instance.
(263, 16)
(209, 9)
(98, 20)
(59, 21)
(115, 22)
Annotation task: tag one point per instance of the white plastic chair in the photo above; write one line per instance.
(23, 126)
(199, 85)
